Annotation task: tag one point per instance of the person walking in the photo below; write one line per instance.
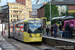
(67, 30)
(55, 29)
(47, 30)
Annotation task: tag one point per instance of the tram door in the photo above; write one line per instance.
(25, 30)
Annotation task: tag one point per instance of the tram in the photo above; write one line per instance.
(28, 30)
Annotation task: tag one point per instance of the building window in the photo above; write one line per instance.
(20, 2)
(15, 11)
(10, 6)
(26, 8)
(11, 20)
(11, 15)
(14, 15)
(20, 11)
(11, 11)
(15, 7)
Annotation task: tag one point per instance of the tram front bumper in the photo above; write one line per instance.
(35, 39)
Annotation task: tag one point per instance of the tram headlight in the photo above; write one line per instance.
(40, 35)
(30, 36)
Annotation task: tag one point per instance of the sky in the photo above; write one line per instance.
(33, 1)
(4, 2)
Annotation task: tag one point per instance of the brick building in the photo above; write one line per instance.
(69, 3)
(21, 2)
(63, 6)
(71, 8)
(41, 12)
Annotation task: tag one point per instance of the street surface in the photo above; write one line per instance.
(24, 46)
(5, 45)
(34, 46)
(12, 44)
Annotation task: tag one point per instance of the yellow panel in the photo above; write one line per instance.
(25, 37)
(31, 19)
(43, 18)
(71, 10)
(47, 23)
(35, 38)
(58, 24)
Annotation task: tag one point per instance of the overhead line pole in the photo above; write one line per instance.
(2, 22)
(8, 24)
(50, 13)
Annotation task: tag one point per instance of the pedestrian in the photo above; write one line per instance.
(70, 35)
(60, 27)
(63, 32)
(52, 30)
(55, 29)
(47, 30)
(67, 30)
(74, 29)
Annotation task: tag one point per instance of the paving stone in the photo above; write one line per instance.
(9, 49)
(6, 45)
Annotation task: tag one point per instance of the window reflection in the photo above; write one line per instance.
(35, 27)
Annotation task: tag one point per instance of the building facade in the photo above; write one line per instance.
(69, 5)
(4, 14)
(27, 4)
(37, 5)
(15, 12)
(34, 9)
(21, 2)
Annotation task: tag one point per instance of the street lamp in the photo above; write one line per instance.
(2, 22)
(8, 23)
(50, 13)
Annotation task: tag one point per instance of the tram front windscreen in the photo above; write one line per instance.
(35, 26)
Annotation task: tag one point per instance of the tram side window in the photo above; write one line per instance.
(25, 27)
(16, 25)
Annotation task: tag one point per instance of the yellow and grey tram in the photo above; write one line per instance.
(28, 30)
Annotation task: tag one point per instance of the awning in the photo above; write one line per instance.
(62, 17)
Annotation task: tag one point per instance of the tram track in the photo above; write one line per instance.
(30, 46)
(21, 45)
(44, 47)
